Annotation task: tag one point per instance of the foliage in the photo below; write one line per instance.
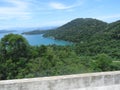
(96, 49)
(77, 30)
(13, 52)
(102, 62)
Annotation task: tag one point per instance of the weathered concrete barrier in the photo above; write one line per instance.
(90, 81)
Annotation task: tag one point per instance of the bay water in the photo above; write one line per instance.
(36, 40)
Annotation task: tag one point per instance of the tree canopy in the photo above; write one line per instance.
(96, 49)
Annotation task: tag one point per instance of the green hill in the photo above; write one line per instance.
(114, 30)
(108, 41)
(78, 30)
(91, 36)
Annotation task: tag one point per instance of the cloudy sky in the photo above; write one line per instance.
(40, 13)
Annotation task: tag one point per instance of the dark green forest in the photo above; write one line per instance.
(78, 30)
(96, 48)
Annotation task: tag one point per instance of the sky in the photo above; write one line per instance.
(42, 13)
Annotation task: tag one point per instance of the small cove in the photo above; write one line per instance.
(36, 40)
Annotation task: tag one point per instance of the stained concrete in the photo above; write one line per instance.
(89, 81)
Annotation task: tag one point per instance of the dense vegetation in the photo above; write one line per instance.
(97, 50)
(78, 30)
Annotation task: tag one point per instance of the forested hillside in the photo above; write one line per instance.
(78, 30)
(107, 41)
(20, 60)
(91, 36)
(96, 49)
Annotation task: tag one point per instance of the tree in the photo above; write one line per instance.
(102, 62)
(13, 52)
(13, 46)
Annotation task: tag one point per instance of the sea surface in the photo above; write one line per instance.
(37, 40)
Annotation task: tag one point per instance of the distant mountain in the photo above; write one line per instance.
(41, 30)
(6, 31)
(35, 32)
(77, 30)
(32, 28)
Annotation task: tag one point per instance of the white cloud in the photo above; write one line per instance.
(61, 6)
(21, 12)
(18, 9)
(57, 5)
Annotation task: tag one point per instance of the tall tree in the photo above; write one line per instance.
(13, 47)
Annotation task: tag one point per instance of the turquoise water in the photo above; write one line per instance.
(40, 40)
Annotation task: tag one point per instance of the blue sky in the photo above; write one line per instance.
(41, 13)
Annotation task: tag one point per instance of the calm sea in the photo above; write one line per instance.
(39, 39)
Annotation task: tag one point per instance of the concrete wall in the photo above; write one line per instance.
(90, 81)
